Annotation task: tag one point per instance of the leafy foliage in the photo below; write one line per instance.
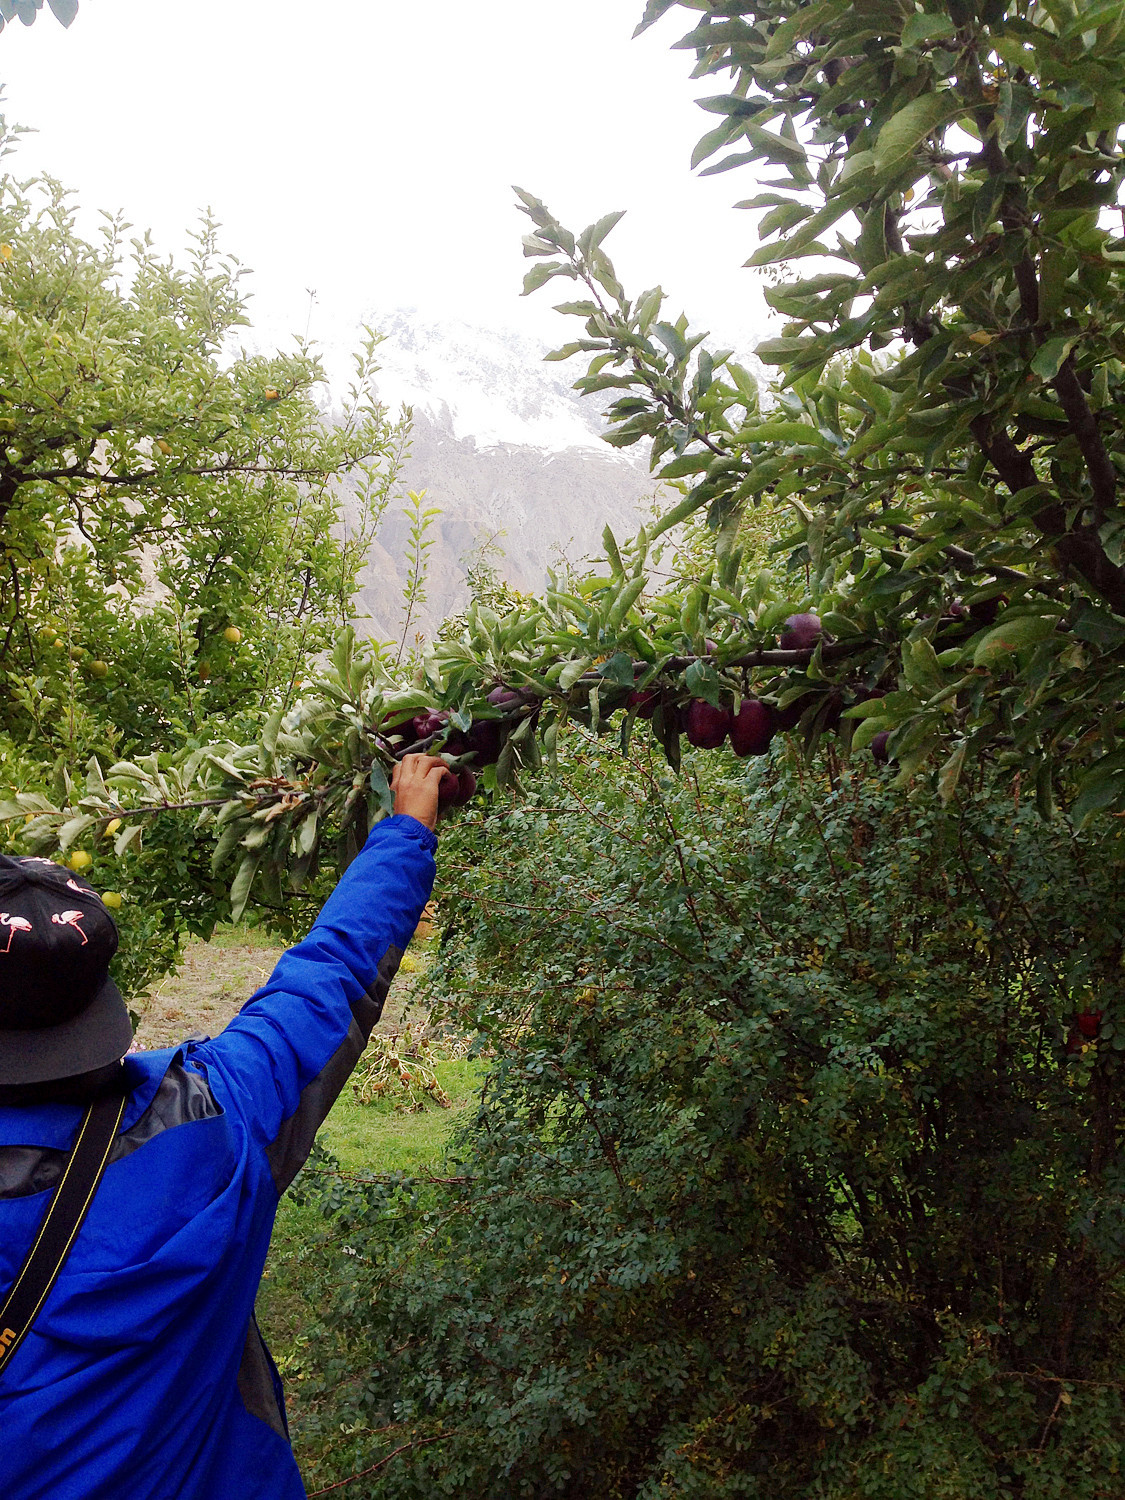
(947, 431)
(790, 1178)
(27, 10)
(968, 162)
(170, 544)
(169, 506)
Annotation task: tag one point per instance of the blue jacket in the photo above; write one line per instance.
(145, 1377)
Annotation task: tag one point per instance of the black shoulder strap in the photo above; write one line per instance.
(59, 1229)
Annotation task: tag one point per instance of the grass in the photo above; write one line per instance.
(242, 935)
(378, 1138)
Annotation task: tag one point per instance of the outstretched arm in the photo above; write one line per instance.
(289, 1051)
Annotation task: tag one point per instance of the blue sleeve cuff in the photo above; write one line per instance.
(410, 828)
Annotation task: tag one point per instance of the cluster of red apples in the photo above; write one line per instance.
(484, 741)
(705, 725)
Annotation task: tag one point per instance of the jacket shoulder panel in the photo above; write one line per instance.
(182, 1097)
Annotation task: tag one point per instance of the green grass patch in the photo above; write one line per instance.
(227, 935)
(378, 1138)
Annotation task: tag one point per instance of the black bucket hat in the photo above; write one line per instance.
(60, 1013)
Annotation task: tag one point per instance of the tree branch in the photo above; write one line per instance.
(1084, 425)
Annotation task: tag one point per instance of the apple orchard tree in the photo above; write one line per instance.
(172, 548)
(169, 506)
(946, 431)
(799, 1171)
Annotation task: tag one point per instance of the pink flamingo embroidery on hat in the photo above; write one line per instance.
(14, 925)
(70, 919)
(83, 890)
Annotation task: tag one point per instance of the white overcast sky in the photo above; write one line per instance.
(366, 148)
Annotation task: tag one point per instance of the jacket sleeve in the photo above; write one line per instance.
(287, 1054)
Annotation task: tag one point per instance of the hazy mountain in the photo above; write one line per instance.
(508, 452)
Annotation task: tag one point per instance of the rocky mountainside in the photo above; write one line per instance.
(507, 452)
(524, 507)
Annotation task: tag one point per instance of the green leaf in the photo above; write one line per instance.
(950, 774)
(128, 835)
(619, 669)
(796, 28)
(782, 149)
(1098, 626)
(1103, 786)
(689, 463)
(95, 781)
(781, 431)
(780, 351)
(228, 768)
(227, 842)
(73, 829)
(1051, 357)
(591, 238)
(240, 886)
(702, 681)
(539, 275)
(572, 672)
(926, 27)
(653, 11)
(672, 340)
(533, 245)
(612, 551)
(1011, 636)
(624, 602)
(921, 667)
(267, 757)
(377, 781)
(905, 131)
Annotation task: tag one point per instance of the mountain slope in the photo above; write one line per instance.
(528, 505)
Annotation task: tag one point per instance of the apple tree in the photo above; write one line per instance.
(173, 548)
(946, 435)
(170, 505)
(797, 1170)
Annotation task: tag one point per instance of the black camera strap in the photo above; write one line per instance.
(68, 1207)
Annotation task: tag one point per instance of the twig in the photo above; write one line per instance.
(362, 1473)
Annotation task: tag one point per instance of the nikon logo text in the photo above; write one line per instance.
(6, 1337)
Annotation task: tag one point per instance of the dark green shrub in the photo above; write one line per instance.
(794, 1176)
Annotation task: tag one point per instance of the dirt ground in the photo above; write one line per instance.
(217, 978)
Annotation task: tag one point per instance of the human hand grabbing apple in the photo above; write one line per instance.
(416, 783)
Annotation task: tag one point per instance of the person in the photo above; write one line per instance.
(144, 1376)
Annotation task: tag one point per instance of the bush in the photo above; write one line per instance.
(794, 1175)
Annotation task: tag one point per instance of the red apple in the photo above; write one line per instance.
(705, 726)
(466, 788)
(429, 723)
(397, 723)
(485, 740)
(801, 632)
(752, 728)
(644, 700)
(1089, 1021)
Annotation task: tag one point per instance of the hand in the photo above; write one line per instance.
(415, 784)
